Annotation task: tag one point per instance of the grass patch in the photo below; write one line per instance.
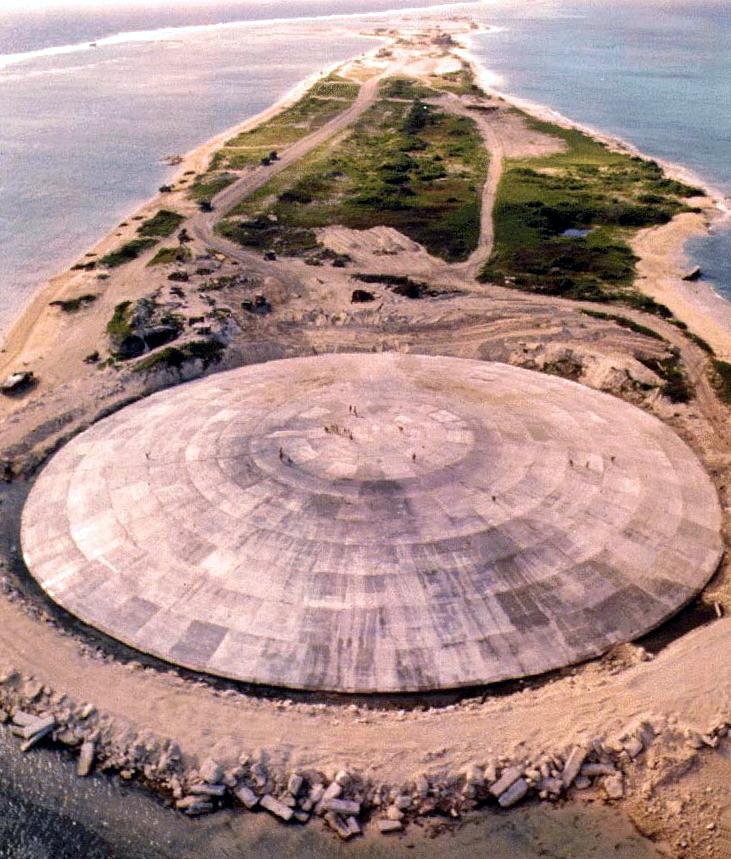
(676, 386)
(161, 225)
(174, 357)
(700, 342)
(721, 377)
(324, 101)
(400, 284)
(166, 256)
(127, 252)
(405, 88)
(207, 185)
(460, 82)
(337, 87)
(71, 305)
(403, 165)
(120, 325)
(625, 323)
(587, 186)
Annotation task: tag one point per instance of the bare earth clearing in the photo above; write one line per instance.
(672, 695)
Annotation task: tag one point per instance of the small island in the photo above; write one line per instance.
(393, 204)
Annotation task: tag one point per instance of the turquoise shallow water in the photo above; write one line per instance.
(656, 74)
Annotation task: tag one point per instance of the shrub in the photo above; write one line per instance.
(722, 379)
(127, 252)
(71, 305)
(162, 225)
(209, 351)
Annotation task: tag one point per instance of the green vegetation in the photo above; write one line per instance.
(161, 225)
(127, 252)
(325, 100)
(71, 305)
(335, 86)
(398, 283)
(405, 88)
(721, 377)
(120, 325)
(170, 255)
(461, 82)
(206, 186)
(676, 386)
(404, 165)
(625, 323)
(173, 357)
(587, 187)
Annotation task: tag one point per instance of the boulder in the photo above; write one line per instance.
(361, 296)
(17, 382)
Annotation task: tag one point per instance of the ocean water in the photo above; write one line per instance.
(83, 129)
(657, 74)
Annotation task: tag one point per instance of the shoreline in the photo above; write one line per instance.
(7, 60)
(14, 339)
(699, 304)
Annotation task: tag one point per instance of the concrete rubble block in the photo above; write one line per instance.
(614, 786)
(573, 764)
(421, 785)
(342, 806)
(204, 789)
(36, 738)
(301, 816)
(39, 724)
(393, 812)
(386, 827)
(193, 805)
(317, 791)
(353, 825)
(246, 796)
(553, 786)
(593, 770)
(633, 746)
(475, 776)
(508, 777)
(211, 771)
(338, 825)
(332, 791)
(274, 806)
(21, 718)
(86, 758)
(514, 793)
(294, 785)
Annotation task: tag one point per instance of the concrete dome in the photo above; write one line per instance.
(374, 523)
